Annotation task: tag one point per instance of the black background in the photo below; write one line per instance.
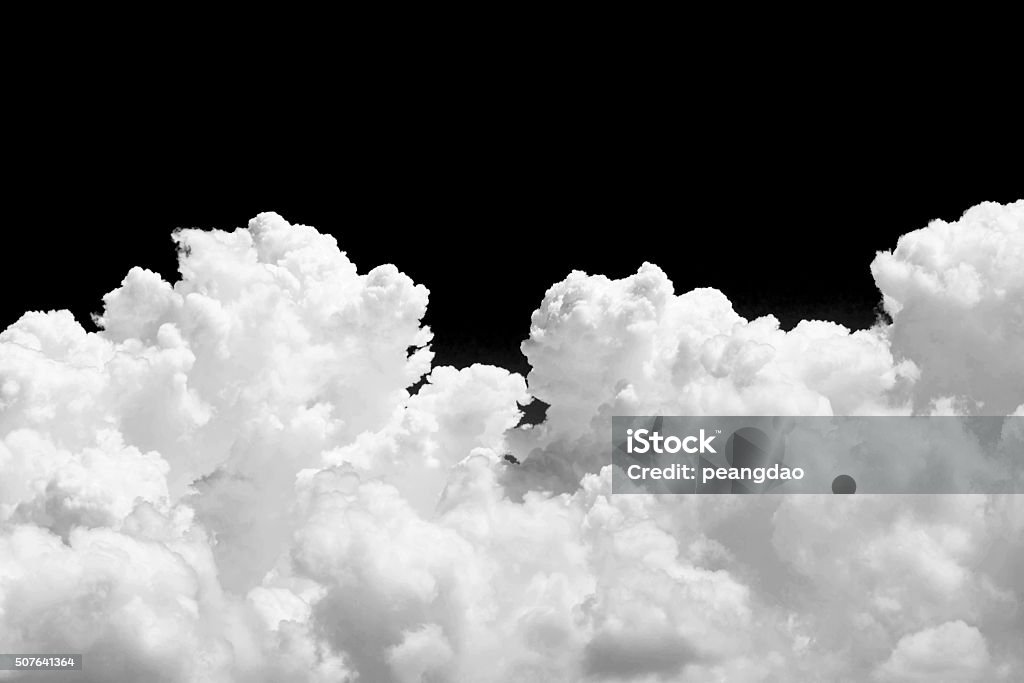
(488, 199)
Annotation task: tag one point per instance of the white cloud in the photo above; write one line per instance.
(230, 482)
(952, 651)
(955, 292)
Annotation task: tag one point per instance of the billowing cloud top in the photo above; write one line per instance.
(231, 482)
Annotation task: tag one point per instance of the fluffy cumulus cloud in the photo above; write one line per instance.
(956, 295)
(231, 480)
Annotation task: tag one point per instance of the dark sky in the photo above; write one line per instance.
(489, 210)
